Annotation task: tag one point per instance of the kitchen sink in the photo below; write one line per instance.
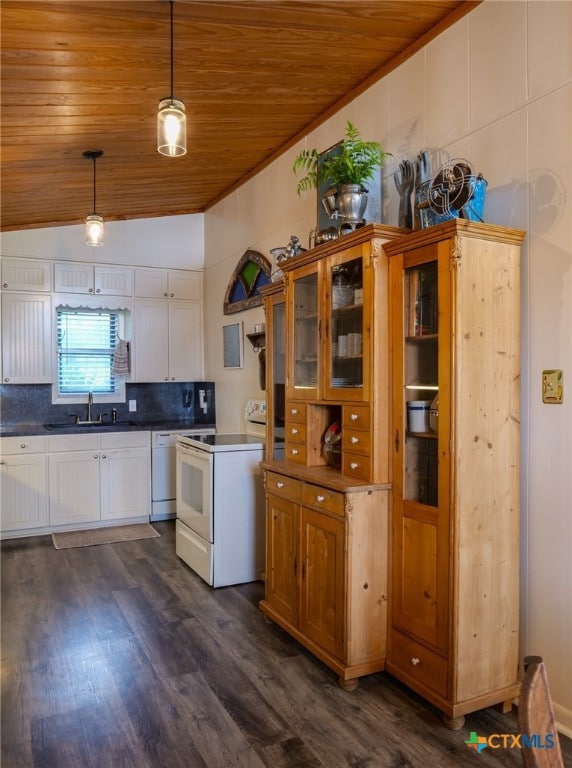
(105, 425)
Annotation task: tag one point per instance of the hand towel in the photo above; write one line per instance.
(121, 363)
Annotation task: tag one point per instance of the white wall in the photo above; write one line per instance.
(497, 89)
(174, 242)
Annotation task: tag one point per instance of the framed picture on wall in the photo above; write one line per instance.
(233, 348)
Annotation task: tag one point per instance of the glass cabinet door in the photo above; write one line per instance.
(278, 394)
(421, 384)
(344, 348)
(305, 337)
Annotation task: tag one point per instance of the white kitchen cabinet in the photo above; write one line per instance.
(179, 284)
(125, 474)
(74, 486)
(99, 476)
(86, 278)
(26, 338)
(167, 340)
(26, 275)
(24, 490)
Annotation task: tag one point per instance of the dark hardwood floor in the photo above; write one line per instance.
(119, 656)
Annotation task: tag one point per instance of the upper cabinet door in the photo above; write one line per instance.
(347, 309)
(169, 284)
(113, 281)
(304, 326)
(26, 275)
(26, 338)
(73, 278)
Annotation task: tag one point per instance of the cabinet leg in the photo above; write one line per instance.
(349, 685)
(504, 706)
(454, 723)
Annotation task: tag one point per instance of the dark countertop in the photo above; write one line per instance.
(30, 430)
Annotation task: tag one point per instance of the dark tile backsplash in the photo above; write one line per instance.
(172, 401)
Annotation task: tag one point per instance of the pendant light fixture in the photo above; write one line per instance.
(171, 118)
(93, 222)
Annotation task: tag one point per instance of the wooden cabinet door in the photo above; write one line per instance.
(125, 485)
(26, 338)
(282, 557)
(322, 579)
(304, 333)
(74, 487)
(24, 492)
(420, 525)
(347, 334)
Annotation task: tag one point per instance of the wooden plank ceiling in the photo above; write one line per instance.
(254, 76)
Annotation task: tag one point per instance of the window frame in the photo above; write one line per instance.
(58, 398)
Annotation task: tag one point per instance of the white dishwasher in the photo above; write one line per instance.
(163, 471)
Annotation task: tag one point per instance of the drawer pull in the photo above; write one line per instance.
(280, 485)
(294, 411)
(354, 440)
(353, 416)
(354, 465)
(22, 445)
(294, 451)
(320, 498)
(415, 661)
(294, 431)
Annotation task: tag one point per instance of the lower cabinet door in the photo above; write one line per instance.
(322, 579)
(74, 487)
(282, 557)
(125, 483)
(24, 495)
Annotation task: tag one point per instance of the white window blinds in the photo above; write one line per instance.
(85, 345)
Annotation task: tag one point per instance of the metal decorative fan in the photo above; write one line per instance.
(454, 192)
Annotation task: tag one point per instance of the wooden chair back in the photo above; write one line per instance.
(536, 717)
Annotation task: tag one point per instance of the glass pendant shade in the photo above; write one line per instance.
(171, 128)
(93, 229)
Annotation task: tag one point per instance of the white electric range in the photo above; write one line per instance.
(220, 527)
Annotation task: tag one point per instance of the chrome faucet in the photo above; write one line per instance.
(89, 405)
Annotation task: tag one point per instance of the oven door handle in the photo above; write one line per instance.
(205, 456)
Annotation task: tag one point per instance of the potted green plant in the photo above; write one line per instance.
(346, 170)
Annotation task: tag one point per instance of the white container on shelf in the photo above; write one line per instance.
(418, 415)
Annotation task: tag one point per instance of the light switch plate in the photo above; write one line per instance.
(132, 406)
(553, 386)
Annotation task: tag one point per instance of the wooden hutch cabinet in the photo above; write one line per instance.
(327, 521)
(454, 301)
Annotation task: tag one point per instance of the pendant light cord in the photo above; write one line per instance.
(94, 206)
(172, 56)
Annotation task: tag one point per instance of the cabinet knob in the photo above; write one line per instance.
(353, 416)
(415, 661)
(294, 451)
(280, 485)
(96, 455)
(354, 440)
(320, 498)
(98, 290)
(103, 455)
(90, 290)
(22, 445)
(2, 463)
(166, 295)
(6, 379)
(4, 285)
(294, 411)
(354, 465)
(294, 431)
(171, 295)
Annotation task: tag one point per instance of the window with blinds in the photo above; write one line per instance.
(85, 346)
